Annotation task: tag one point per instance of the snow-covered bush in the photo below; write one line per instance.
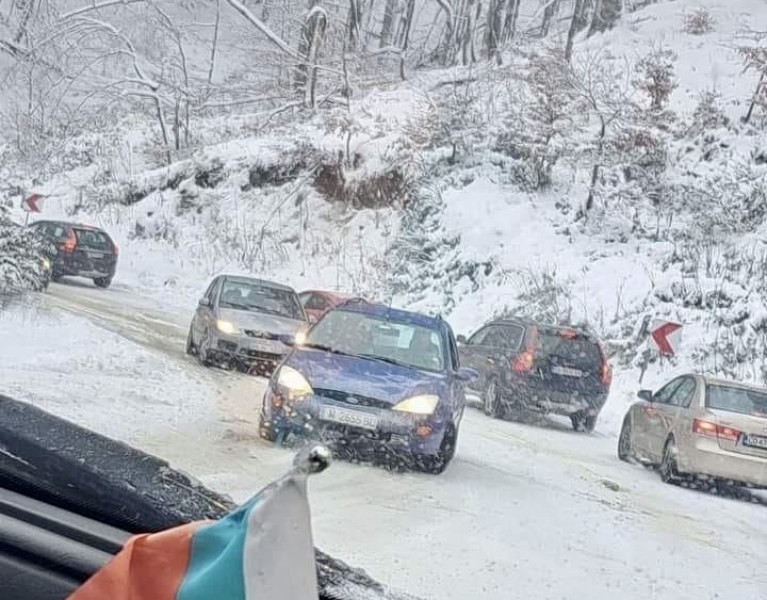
(699, 22)
(21, 267)
(655, 77)
(543, 295)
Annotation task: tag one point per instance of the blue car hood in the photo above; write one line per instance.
(362, 377)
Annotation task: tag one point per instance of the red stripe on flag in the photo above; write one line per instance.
(149, 567)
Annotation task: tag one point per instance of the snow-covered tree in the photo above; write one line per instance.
(21, 267)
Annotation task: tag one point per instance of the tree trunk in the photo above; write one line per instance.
(406, 38)
(387, 28)
(551, 9)
(755, 98)
(597, 164)
(469, 28)
(312, 35)
(605, 16)
(26, 7)
(494, 29)
(510, 22)
(214, 43)
(355, 19)
(575, 22)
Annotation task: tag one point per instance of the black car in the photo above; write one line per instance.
(79, 250)
(545, 368)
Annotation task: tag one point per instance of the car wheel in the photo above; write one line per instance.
(203, 351)
(190, 348)
(583, 421)
(103, 282)
(267, 432)
(624, 441)
(669, 472)
(55, 277)
(491, 400)
(437, 463)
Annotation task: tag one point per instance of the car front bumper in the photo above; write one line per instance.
(705, 457)
(394, 431)
(247, 350)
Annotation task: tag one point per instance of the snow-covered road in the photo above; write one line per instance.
(532, 511)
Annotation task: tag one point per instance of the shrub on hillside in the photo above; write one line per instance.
(699, 22)
(21, 266)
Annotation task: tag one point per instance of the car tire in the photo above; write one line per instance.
(102, 282)
(582, 421)
(669, 472)
(267, 433)
(491, 400)
(203, 352)
(624, 441)
(437, 463)
(191, 350)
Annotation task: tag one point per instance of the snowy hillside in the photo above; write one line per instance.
(478, 189)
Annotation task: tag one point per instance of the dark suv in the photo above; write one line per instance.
(539, 367)
(79, 250)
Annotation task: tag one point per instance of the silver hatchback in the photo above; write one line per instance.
(698, 426)
(241, 321)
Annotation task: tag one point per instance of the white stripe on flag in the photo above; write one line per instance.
(278, 558)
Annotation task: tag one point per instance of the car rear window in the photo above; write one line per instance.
(737, 400)
(93, 239)
(578, 350)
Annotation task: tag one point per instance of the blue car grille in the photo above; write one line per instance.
(345, 398)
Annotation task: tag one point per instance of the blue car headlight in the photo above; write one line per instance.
(423, 404)
(292, 385)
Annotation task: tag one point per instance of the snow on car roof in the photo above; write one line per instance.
(393, 314)
(256, 280)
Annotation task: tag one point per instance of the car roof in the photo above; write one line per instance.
(334, 295)
(527, 322)
(69, 224)
(256, 280)
(710, 380)
(392, 314)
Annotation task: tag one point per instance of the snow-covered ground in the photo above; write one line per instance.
(526, 509)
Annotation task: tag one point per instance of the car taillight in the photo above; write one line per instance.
(115, 251)
(607, 374)
(709, 429)
(524, 361)
(70, 243)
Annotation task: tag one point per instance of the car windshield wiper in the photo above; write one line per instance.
(236, 306)
(385, 359)
(325, 348)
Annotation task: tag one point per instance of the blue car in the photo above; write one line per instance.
(368, 376)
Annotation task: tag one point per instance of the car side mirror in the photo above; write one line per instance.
(646, 395)
(461, 339)
(204, 302)
(466, 375)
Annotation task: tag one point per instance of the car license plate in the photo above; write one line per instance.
(92, 254)
(567, 371)
(265, 346)
(755, 441)
(344, 416)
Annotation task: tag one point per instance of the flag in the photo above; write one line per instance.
(262, 550)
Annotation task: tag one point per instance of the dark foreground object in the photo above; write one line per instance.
(69, 498)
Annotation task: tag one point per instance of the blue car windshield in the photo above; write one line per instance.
(373, 336)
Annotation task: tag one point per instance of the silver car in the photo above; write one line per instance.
(698, 426)
(240, 322)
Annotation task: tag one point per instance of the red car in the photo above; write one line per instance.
(316, 303)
